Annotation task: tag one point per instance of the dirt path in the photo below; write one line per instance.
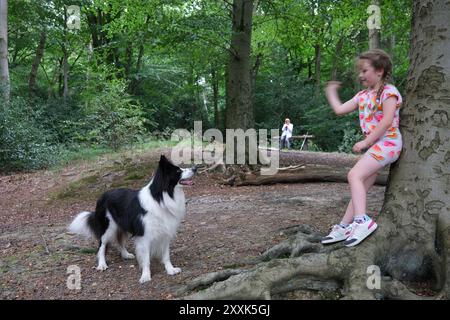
(223, 227)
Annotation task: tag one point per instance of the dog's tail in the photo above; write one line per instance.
(80, 225)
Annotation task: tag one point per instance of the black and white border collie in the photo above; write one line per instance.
(150, 215)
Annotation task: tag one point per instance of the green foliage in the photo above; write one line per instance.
(288, 95)
(351, 136)
(62, 118)
(113, 118)
(139, 66)
(313, 147)
(24, 143)
(327, 128)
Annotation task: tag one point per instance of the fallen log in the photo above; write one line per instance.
(303, 173)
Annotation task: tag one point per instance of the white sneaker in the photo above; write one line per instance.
(360, 232)
(337, 234)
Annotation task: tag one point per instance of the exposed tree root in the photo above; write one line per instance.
(208, 279)
(395, 290)
(311, 270)
(301, 262)
(217, 167)
(268, 278)
(443, 249)
(302, 240)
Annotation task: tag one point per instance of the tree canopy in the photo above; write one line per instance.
(163, 64)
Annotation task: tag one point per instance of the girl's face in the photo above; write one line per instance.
(368, 76)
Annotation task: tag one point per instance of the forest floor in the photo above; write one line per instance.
(224, 226)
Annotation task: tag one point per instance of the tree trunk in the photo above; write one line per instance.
(128, 59)
(139, 58)
(309, 69)
(100, 41)
(337, 55)
(374, 39)
(239, 109)
(417, 201)
(65, 65)
(317, 58)
(4, 69)
(36, 63)
(374, 33)
(411, 247)
(60, 76)
(134, 82)
(255, 68)
(53, 80)
(65, 62)
(392, 54)
(215, 87)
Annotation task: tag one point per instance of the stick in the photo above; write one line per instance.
(45, 244)
(301, 148)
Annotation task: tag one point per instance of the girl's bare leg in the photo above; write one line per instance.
(361, 177)
(349, 213)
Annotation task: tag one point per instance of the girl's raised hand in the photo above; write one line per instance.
(333, 85)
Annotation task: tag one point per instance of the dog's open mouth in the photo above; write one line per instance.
(187, 182)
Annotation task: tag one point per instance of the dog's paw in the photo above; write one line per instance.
(128, 255)
(145, 278)
(102, 266)
(173, 271)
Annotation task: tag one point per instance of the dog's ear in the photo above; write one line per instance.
(164, 162)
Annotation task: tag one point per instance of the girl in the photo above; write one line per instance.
(378, 107)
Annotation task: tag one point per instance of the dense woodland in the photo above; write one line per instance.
(121, 72)
(124, 73)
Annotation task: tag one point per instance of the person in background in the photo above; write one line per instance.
(286, 134)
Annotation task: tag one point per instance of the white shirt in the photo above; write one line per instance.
(287, 130)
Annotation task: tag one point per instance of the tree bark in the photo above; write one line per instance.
(128, 59)
(309, 69)
(4, 68)
(60, 76)
(215, 87)
(65, 62)
(65, 66)
(139, 58)
(37, 61)
(239, 109)
(374, 39)
(134, 82)
(317, 58)
(337, 55)
(374, 34)
(417, 201)
(54, 79)
(255, 69)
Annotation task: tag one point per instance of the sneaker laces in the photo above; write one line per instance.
(335, 227)
(354, 226)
